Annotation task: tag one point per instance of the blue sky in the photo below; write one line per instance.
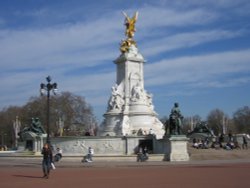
(197, 51)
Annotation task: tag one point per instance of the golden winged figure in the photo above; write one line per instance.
(130, 30)
(130, 24)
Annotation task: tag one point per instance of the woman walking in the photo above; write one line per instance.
(47, 160)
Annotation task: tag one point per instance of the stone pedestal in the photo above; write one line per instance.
(32, 141)
(105, 146)
(177, 145)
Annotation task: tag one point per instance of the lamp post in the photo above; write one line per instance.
(45, 89)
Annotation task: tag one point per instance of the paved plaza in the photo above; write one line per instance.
(27, 173)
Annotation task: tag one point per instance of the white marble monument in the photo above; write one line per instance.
(130, 109)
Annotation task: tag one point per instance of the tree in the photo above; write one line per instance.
(7, 116)
(75, 112)
(36, 107)
(241, 120)
(189, 123)
(217, 121)
(164, 120)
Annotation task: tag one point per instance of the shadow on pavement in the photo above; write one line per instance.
(27, 176)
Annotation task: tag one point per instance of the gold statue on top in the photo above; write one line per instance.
(130, 24)
(130, 30)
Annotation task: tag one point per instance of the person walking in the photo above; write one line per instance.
(47, 160)
(90, 154)
(244, 144)
(58, 155)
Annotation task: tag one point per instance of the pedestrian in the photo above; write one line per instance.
(58, 155)
(230, 137)
(221, 140)
(47, 160)
(244, 144)
(145, 153)
(140, 155)
(90, 155)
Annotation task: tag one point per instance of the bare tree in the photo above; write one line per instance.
(218, 121)
(241, 119)
(189, 123)
(76, 114)
(7, 116)
(165, 122)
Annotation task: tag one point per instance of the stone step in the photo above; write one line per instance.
(152, 157)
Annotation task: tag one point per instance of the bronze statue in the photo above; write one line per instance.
(202, 129)
(175, 120)
(35, 127)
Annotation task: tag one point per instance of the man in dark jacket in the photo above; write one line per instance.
(47, 160)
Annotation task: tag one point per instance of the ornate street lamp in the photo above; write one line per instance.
(45, 89)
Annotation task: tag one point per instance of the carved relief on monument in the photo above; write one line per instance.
(116, 101)
(149, 100)
(125, 126)
(137, 93)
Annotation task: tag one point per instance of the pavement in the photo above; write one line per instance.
(197, 157)
(76, 162)
(27, 173)
(206, 169)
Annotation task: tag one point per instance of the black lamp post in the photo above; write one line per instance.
(47, 88)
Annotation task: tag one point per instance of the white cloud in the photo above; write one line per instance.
(70, 51)
(186, 40)
(157, 16)
(198, 68)
(222, 83)
(38, 48)
(86, 43)
(210, 3)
